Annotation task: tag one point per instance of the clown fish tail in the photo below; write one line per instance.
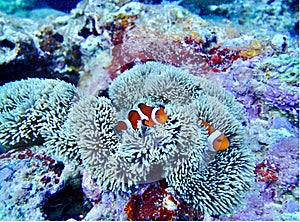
(210, 128)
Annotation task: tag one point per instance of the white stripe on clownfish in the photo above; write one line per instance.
(153, 115)
(142, 115)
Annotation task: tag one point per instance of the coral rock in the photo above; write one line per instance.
(28, 178)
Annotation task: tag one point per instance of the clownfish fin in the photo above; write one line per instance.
(218, 141)
(210, 128)
(146, 122)
(146, 110)
(134, 117)
(160, 115)
(121, 125)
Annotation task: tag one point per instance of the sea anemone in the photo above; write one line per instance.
(62, 143)
(94, 121)
(33, 109)
(213, 181)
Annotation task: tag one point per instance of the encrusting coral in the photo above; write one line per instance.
(213, 181)
(33, 109)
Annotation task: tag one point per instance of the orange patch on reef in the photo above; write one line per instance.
(253, 49)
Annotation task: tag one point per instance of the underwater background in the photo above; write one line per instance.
(74, 73)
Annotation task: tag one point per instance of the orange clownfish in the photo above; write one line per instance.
(216, 140)
(145, 115)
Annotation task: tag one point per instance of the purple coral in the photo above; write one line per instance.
(283, 100)
(275, 199)
(285, 155)
(106, 205)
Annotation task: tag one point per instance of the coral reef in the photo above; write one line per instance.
(33, 109)
(287, 151)
(74, 45)
(283, 66)
(107, 205)
(158, 202)
(146, 47)
(275, 195)
(84, 129)
(265, 84)
(154, 204)
(198, 49)
(33, 184)
(23, 41)
(286, 102)
(277, 15)
(17, 47)
(253, 55)
(110, 207)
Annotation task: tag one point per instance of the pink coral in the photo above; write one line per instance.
(139, 46)
(142, 46)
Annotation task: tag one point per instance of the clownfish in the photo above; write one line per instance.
(145, 115)
(216, 140)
